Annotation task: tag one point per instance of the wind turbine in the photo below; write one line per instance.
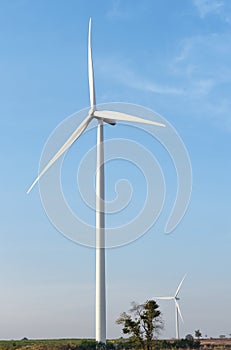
(102, 116)
(177, 306)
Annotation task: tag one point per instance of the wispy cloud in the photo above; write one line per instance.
(207, 7)
(219, 8)
(122, 10)
(203, 67)
(205, 56)
(198, 77)
(122, 73)
(116, 11)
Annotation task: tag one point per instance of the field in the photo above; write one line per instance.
(45, 344)
(218, 343)
(72, 344)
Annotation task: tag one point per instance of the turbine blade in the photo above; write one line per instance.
(178, 288)
(178, 308)
(90, 70)
(124, 117)
(164, 298)
(74, 136)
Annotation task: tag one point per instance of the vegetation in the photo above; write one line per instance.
(39, 344)
(189, 337)
(198, 334)
(178, 344)
(143, 323)
(54, 344)
(118, 344)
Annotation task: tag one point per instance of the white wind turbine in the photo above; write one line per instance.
(109, 117)
(177, 306)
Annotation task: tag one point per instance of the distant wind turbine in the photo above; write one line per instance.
(109, 117)
(177, 306)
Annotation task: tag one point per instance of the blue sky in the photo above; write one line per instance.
(171, 56)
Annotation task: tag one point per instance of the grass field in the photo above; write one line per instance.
(39, 344)
(72, 344)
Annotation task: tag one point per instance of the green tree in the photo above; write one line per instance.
(198, 334)
(143, 323)
(189, 337)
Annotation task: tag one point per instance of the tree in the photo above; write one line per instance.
(142, 322)
(198, 334)
(189, 337)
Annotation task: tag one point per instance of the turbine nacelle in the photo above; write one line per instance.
(105, 120)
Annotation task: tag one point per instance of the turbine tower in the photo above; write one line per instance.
(102, 116)
(177, 306)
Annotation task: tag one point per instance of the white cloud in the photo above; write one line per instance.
(199, 77)
(202, 87)
(207, 7)
(206, 57)
(122, 10)
(184, 53)
(203, 67)
(116, 11)
(219, 8)
(121, 73)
